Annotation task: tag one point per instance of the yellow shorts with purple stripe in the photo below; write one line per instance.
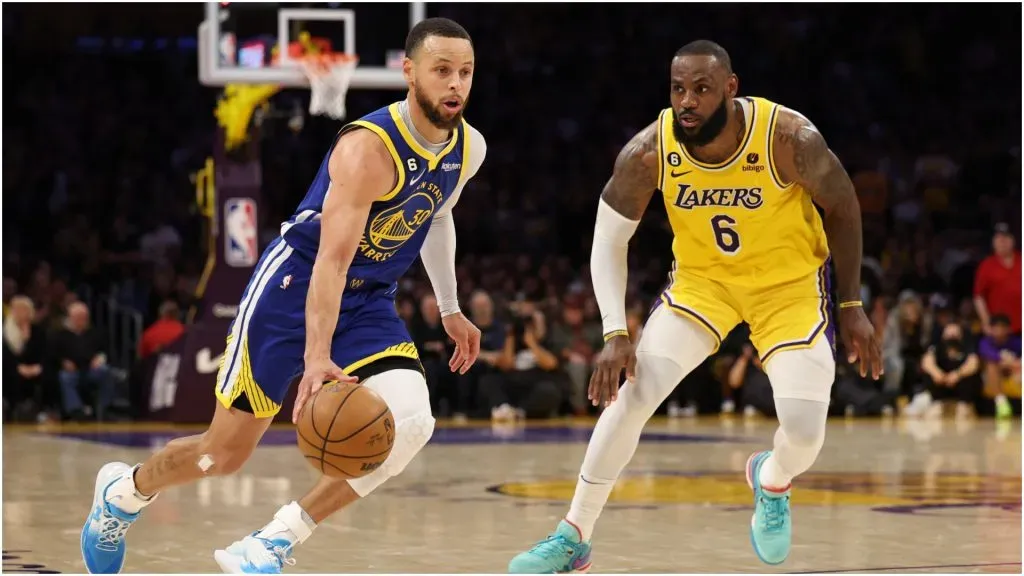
(787, 316)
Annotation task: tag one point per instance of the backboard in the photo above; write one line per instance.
(254, 43)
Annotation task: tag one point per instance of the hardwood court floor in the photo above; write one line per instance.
(884, 496)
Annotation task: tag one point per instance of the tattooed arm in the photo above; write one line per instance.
(635, 176)
(803, 157)
(622, 203)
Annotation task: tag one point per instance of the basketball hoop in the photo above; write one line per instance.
(329, 76)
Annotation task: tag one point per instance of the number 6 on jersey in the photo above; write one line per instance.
(728, 240)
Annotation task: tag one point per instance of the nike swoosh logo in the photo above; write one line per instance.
(206, 363)
(674, 175)
(417, 178)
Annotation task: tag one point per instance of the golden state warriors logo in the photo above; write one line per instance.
(392, 227)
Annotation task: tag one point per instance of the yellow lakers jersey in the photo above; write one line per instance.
(735, 222)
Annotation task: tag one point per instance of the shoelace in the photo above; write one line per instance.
(773, 513)
(112, 531)
(554, 541)
(270, 553)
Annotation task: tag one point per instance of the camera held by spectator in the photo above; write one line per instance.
(530, 383)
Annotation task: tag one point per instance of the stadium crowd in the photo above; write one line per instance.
(98, 206)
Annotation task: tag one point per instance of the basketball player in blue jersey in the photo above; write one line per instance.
(320, 307)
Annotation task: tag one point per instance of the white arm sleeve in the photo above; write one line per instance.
(608, 265)
(438, 253)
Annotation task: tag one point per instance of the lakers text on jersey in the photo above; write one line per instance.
(267, 339)
(747, 247)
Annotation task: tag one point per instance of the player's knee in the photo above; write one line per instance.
(414, 426)
(802, 421)
(804, 433)
(405, 392)
(656, 377)
(413, 432)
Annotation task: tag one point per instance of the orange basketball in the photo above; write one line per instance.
(346, 430)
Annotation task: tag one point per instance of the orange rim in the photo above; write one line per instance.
(323, 63)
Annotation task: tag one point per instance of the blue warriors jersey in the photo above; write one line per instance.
(266, 343)
(399, 220)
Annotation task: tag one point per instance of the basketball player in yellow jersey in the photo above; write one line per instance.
(740, 178)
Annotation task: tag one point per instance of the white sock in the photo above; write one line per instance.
(798, 441)
(290, 523)
(587, 503)
(131, 500)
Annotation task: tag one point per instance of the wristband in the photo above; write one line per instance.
(615, 333)
(851, 304)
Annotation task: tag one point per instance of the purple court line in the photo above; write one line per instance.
(888, 568)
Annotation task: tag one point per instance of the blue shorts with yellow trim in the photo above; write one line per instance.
(267, 340)
(787, 316)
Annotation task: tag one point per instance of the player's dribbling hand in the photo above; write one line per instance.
(604, 382)
(467, 341)
(317, 372)
(860, 341)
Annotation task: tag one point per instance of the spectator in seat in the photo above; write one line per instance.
(1001, 350)
(530, 383)
(949, 369)
(24, 390)
(748, 378)
(576, 342)
(905, 338)
(432, 343)
(164, 331)
(997, 282)
(493, 334)
(82, 363)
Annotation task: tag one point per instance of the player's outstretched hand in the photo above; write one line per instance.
(317, 372)
(860, 341)
(604, 382)
(467, 341)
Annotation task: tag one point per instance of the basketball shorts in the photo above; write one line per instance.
(266, 342)
(788, 316)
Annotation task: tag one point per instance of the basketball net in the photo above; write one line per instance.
(329, 77)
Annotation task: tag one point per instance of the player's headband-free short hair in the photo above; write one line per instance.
(707, 48)
(442, 27)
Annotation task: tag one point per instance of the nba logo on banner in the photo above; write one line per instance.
(240, 242)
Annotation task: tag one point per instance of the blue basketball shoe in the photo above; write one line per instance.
(563, 552)
(771, 531)
(103, 541)
(254, 555)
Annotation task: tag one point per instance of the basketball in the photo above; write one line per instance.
(346, 430)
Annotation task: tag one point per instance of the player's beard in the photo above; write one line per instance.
(707, 132)
(434, 112)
